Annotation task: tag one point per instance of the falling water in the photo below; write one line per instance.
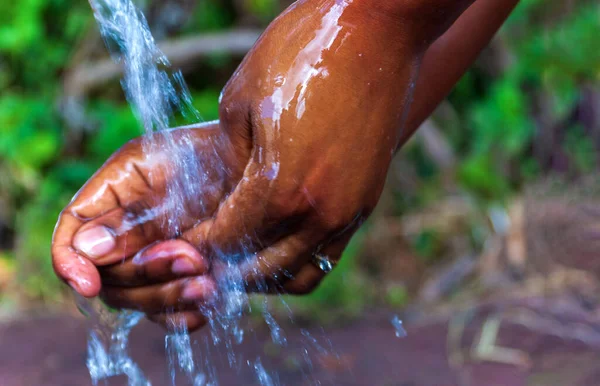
(157, 94)
(107, 344)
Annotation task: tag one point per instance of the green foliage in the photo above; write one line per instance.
(30, 135)
(36, 38)
(207, 104)
(552, 57)
(483, 177)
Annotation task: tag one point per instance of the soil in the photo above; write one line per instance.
(51, 351)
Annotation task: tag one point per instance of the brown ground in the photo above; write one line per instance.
(51, 352)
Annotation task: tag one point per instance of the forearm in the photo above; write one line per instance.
(451, 55)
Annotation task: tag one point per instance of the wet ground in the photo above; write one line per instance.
(51, 351)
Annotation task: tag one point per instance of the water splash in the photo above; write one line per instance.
(179, 353)
(107, 345)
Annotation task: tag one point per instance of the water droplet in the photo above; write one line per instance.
(398, 327)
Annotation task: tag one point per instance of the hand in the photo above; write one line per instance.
(124, 208)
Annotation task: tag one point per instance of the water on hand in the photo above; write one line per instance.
(157, 94)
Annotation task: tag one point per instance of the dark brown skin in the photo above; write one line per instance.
(309, 125)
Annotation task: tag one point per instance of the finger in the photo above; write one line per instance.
(180, 294)
(282, 259)
(276, 263)
(301, 276)
(117, 234)
(159, 263)
(188, 320)
(70, 266)
(306, 281)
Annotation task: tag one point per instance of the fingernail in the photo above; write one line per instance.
(183, 267)
(200, 288)
(95, 242)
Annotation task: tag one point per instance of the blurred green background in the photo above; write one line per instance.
(529, 108)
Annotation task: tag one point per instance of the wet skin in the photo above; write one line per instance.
(308, 126)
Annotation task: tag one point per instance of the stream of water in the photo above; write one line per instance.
(158, 94)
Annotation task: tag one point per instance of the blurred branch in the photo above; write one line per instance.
(85, 77)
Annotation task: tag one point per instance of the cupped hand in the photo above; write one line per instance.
(127, 206)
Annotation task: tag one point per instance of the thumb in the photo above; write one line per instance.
(75, 269)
